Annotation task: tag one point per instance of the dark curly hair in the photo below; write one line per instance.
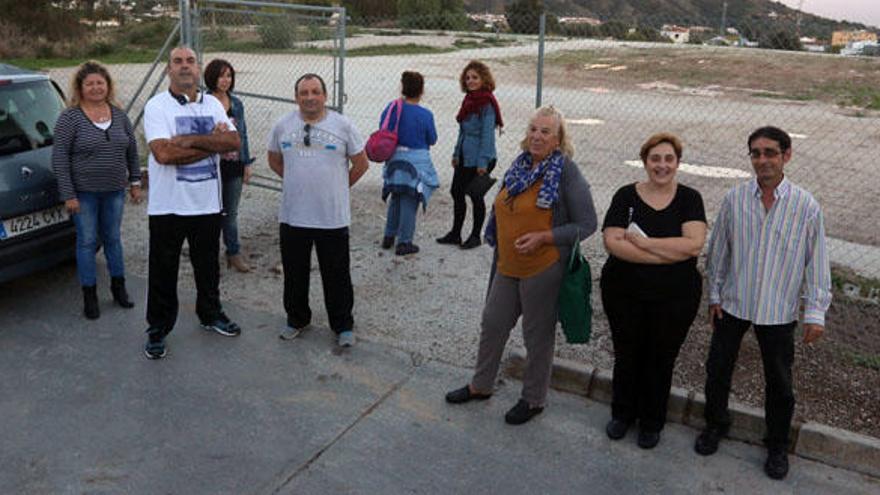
(213, 72)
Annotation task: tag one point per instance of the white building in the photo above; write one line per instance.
(677, 34)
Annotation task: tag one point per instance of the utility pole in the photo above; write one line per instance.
(723, 20)
(800, 15)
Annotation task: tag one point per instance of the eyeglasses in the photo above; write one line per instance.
(307, 139)
(767, 152)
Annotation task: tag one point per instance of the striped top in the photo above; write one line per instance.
(88, 158)
(762, 263)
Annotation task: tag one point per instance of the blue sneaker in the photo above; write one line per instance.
(345, 339)
(224, 326)
(155, 347)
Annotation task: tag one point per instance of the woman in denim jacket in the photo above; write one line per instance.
(474, 153)
(235, 166)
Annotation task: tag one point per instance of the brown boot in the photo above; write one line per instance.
(237, 261)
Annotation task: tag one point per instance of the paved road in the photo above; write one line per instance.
(84, 412)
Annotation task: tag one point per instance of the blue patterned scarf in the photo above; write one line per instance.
(520, 176)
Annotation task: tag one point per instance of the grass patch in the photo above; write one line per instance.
(479, 42)
(407, 49)
(871, 361)
(842, 275)
(802, 77)
(120, 57)
(782, 96)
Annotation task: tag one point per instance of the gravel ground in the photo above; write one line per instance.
(429, 304)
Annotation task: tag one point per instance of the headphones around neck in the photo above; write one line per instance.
(183, 98)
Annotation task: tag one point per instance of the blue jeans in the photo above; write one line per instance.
(401, 222)
(100, 213)
(231, 198)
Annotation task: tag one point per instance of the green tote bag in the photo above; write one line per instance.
(575, 308)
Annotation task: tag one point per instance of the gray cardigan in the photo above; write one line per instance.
(574, 215)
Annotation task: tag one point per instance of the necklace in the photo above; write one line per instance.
(98, 115)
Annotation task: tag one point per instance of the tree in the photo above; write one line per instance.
(523, 16)
(33, 17)
(781, 40)
(432, 14)
(614, 29)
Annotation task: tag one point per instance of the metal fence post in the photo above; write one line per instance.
(341, 36)
(185, 25)
(540, 82)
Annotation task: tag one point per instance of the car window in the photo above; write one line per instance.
(28, 112)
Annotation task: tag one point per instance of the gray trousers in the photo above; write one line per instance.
(535, 298)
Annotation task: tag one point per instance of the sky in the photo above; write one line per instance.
(864, 11)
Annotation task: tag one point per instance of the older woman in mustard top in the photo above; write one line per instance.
(544, 206)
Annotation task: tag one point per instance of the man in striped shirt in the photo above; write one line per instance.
(766, 256)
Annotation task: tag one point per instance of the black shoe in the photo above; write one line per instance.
(648, 439)
(120, 295)
(155, 348)
(450, 238)
(90, 302)
(387, 242)
(471, 242)
(707, 442)
(776, 466)
(463, 394)
(405, 248)
(223, 326)
(521, 413)
(616, 429)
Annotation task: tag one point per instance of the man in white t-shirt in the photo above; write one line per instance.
(185, 130)
(311, 149)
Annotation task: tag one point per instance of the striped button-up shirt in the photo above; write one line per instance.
(761, 262)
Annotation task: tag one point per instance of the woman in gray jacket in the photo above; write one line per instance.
(544, 206)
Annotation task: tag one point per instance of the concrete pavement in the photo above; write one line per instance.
(83, 411)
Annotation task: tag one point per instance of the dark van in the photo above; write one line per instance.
(35, 230)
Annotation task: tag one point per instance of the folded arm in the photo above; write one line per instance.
(673, 249)
(617, 244)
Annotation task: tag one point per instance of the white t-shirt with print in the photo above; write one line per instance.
(192, 189)
(315, 185)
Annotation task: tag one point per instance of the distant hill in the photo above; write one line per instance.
(688, 12)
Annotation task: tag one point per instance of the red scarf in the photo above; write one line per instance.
(474, 101)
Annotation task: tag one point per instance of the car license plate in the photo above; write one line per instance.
(37, 220)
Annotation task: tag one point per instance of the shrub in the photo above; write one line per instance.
(276, 33)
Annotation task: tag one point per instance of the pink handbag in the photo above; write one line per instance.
(382, 143)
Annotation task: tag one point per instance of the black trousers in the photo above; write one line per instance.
(167, 233)
(647, 335)
(461, 178)
(777, 354)
(332, 247)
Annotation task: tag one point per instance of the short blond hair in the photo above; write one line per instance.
(561, 131)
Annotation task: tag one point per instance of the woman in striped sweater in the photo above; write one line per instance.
(94, 158)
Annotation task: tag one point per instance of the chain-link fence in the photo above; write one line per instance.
(710, 81)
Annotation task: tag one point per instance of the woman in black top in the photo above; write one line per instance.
(653, 232)
(94, 159)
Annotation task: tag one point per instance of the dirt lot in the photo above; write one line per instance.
(429, 304)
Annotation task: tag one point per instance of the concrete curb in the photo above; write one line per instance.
(832, 446)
